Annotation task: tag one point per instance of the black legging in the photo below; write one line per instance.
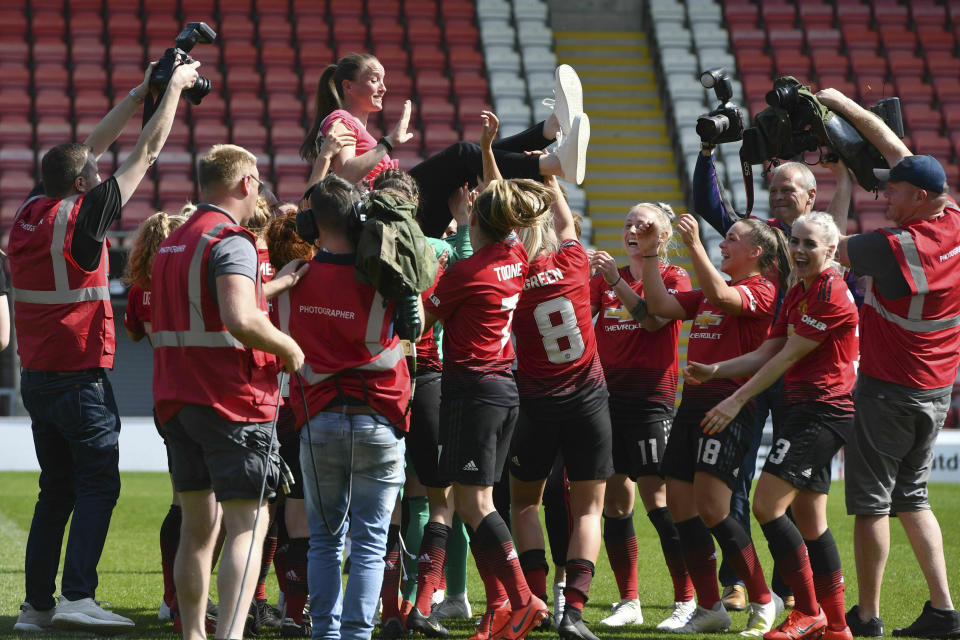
(440, 175)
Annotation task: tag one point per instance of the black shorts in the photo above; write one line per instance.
(474, 440)
(424, 436)
(289, 440)
(156, 423)
(640, 430)
(690, 450)
(576, 425)
(805, 445)
(209, 452)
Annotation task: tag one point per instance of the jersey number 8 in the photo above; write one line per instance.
(553, 333)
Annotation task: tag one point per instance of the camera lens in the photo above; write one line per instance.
(710, 127)
(198, 91)
(783, 97)
(707, 79)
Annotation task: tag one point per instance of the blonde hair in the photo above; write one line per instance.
(151, 233)
(262, 215)
(665, 217)
(223, 166)
(505, 205)
(827, 225)
(540, 238)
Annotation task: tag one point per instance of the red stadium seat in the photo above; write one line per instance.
(86, 24)
(278, 55)
(48, 103)
(438, 137)
(465, 58)
(462, 32)
(815, 16)
(867, 61)
(236, 28)
(345, 9)
(383, 9)
(741, 12)
(469, 84)
(52, 131)
(48, 24)
(17, 157)
(432, 84)
(18, 75)
(15, 130)
(246, 106)
(457, 9)
(921, 118)
(468, 110)
(88, 49)
(791, 63)
(347, 28)
(315, 56)
(436, 113)
(754, 63)
(399, 86)
(856, 37)
(829, 63)
(927, 13)
(45, 76)
(934, 39)
(242, 79)
(872, 217)
(287, 137)
(309, 9)
(912, 89)
(423, 31)
(343, 47)
(947, 91)
(284, 107)
(394, 58)
(428, 57)
(47, 50)
(752, 40)
(778, 15)
(14, 51)
(124, 25)
(889, 12)
(282, 80)
(838, 82)
(13, 25)
(823, 40)
(311, 32)
(905, 63)
(274, 28)
(417, 9)
(897, 39)
(162, 26)
(249, 134)
(934, 144)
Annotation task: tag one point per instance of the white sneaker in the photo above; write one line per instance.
(164, 613)
(559, 602)
(682, 612)
(567, 101)
(452, 607)
(624, 612)
(762, 616)
(572, 150)
(436, 598)
(33, 620)
(86, 614)
(703, 620)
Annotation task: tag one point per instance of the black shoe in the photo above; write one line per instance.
(262, 616)
(290, 629)
(572, 626)
(392, 629)
(418, 623)
(933, 623)
(872, 628)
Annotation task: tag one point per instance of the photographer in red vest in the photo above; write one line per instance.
(66, 342)
(215, 385)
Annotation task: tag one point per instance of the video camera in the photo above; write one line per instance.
(794, 123)
(194, 33)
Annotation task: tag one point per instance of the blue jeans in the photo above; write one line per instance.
(375, 467)
(76, 427)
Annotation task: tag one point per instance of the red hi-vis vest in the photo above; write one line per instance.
(195, 359)
(344, 329)
(915, 340)
(62, 312)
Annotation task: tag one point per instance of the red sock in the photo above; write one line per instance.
(492, 542)
(828, 579)
(621, 541)
(790, 555)
(739, 551)
(493, 588)
(269, 549)
(672, 555)
(169, 541)
(579, 577)
(533, 563)
(700, 556)
(433, 554)
(390, 586)
(443, 576)
(295, 579)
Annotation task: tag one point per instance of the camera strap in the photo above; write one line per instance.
(747, 170)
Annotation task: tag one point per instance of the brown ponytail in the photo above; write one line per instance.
(774, 250)
(152, 232)
(329, 96)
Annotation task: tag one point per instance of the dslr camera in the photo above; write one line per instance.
(796, 122)
(725, 123)
(194, 33)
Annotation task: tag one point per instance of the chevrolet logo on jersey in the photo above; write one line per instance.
(618, 313)
(708, 319)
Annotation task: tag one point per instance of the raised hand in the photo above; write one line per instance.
(688, 229)
(490, 125)
(399, 135)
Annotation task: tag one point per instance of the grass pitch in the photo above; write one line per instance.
(130, 568)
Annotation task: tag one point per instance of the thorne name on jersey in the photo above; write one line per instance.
(542, 279)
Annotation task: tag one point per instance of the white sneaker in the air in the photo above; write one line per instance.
(572, 150)
(86, 614)
(682, 612)
(567, 101)
(624, 612)
(452, 607)
(33, 620)
(762, 616)
(713, 620)
(559, 602)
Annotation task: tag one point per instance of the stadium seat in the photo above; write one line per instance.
(15, 131)
(465, 58)
(426, 57)
(432, 84)
(436, 113)
(49, 50)
(13, 25)
(438, 137)
(387, 32)
(457, 9)
(15, 157)
(778, 15)
(814, 15)
(467, 84)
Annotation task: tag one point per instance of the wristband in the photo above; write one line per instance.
(653, 256)
(133, 94)
(619, 278)
(383, 140)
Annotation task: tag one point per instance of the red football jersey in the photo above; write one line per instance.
(826, 313)
(718, 335)
(556, 347)
(137, 316)
(428, 357)
(476, 300)
(637, 362)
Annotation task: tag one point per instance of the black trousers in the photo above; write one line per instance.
(440, 175)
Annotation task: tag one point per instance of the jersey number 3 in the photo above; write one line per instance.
(552, 334)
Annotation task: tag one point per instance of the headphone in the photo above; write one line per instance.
(306, 223)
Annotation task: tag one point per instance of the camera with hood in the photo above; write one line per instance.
(725, 122)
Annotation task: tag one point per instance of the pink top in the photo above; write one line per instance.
(365, 141)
